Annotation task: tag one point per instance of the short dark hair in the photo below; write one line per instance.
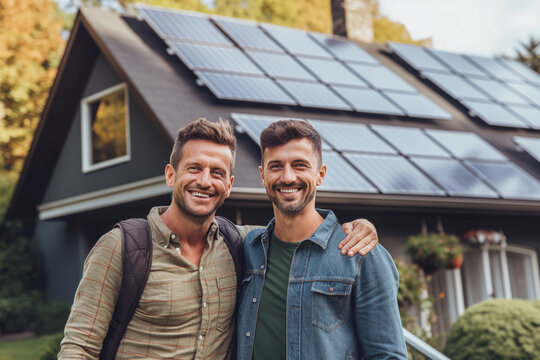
(221, 133)
(282, 131)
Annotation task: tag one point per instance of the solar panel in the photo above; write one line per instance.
(465, 145)
(248, 35)
(531, 92)
(498, 91)
(368, 100)
(455, 178)
(530, 114)
(175, 25)
(313, 95)
(524, 71)
(351, 137)
(417, 105)
(331, 72)
(393, 174)
(530, 145)
(280, 66)
(454, 85)
(410, 141)
(247, 88)
(509, 180)
(417, 57)
(494, 114)
(344, 49)
(341, 176)
(494, 68)
(458, 63)
(296, 41)
(381, 78)
(205, 57)
(253, 125)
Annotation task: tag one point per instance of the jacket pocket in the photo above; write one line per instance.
(227, 301)
(329, 303)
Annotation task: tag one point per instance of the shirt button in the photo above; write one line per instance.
(204, 304)
(248, 334)
(254, 300)
(331, 289)
(201, 337)
(173, 236)
(262, 267)
(201, 268)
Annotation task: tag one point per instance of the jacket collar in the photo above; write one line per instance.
(321, 236)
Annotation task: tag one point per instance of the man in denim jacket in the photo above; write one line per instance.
(300, 298)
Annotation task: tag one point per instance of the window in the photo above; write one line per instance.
(500, 272)
(105, 128)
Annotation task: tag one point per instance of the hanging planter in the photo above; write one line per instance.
(435, 251)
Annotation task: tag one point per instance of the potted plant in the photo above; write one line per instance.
(432, 251)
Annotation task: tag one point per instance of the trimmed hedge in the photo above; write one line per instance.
(496, 329)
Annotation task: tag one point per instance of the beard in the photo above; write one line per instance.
(292, 207)
(184, 208)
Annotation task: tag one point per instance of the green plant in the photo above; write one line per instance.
(52, 347)
(16, 313)
(51, 316)
(432, 251)
(496, 329)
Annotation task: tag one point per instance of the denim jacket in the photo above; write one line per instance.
(337, 307)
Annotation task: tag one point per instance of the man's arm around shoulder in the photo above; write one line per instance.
(95, 300)
(378, 324)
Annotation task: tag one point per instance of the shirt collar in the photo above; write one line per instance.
(321, 236)
(163, 236)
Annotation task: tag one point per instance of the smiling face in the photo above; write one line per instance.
(202, 180)
(291, 174)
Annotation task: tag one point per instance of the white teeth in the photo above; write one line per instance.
(288, 191)
(200, 194)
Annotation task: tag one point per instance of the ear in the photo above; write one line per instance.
(261, 173)
(170, 175)
(322, 174)
(229, 187)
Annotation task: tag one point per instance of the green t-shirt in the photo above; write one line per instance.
(270, 331)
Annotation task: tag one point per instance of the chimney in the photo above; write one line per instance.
(352, 19)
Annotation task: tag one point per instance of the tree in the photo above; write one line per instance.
(30, 48)
(530, 54)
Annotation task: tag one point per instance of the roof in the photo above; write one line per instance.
(174, 90)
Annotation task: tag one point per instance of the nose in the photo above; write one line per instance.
(203, 180)
(288, 175)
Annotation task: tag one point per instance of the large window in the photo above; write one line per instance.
(105, 128)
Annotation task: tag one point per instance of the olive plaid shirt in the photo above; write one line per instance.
(185, 311)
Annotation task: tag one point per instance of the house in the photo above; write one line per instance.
(413, 138)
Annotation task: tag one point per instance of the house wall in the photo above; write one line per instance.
(149, 150)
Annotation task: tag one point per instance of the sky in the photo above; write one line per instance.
(483, 27)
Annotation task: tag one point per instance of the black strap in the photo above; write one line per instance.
(233, 239)
(136, 262)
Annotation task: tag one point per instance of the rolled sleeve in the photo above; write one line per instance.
(95, 300)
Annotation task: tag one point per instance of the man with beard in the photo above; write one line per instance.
(300, 298)
(187, 306)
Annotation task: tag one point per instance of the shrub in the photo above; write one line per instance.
(16, 313)
(497, 329)
(52, 347)
(51, 317)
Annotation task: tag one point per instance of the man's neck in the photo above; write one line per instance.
(297, 227)
(189, 232)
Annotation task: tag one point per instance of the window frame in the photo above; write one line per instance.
(86, 130)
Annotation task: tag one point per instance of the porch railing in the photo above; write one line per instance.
(422, 347)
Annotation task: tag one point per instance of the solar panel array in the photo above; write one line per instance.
(286, 66)
(501, 92)
(530, 145)
(405, 160)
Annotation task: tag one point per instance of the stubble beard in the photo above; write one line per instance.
(184, 209)
(283, 206)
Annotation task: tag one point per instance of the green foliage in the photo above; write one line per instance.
(28, 349)
(52, 347)
(496, 329)
(51, 316)
(433, 251)
(17, 312)
(530, 54)
(7, 185)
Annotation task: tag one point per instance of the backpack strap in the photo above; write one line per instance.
(233, 239)
(136, 262)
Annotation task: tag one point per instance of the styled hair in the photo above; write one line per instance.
(220, 133)
(282, 131)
